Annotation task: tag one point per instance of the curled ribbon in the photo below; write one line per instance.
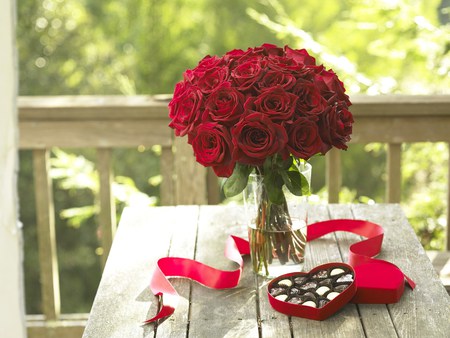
(360, 254)
(184, 267)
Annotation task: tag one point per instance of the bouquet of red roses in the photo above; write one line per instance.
(245, 107)
(265, 110)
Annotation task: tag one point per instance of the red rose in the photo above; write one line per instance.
(284, 64)
(335, 126)
(276, 78)
(247, 72)
(233, 55)
(207, 81)
(225, 104)
(274, 102)
(209, 62)
(206, 64)
(212, 148)
(256, 137)
(304, 139)
(185, 108)
(331, 87)
(300, 56)
(310, 101)
(268, 49)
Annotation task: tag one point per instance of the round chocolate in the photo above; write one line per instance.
(336, 271)
(345, 278)
(295, 300)
(294, 291)
(323, 302)
(299, 280)
(281, 297)
(277, 291)
(309, 285)
(326, 282)
(309, 295)
(320, 274)
(309, 303)
(341, 288)
(332, 295)
(322, 290)
(285, 282)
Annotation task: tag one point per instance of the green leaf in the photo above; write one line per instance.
(293, 181)
(274, 183)
(305, 185)
(286, 164)
(237, 182)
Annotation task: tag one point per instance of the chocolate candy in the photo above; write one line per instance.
(309, 285)
(315, 290)
(336, 271)
(345, 278)
(332, 295)
(285, 282)
(281, 297)
(321, 274)
(310, 303)
(322, 290)
(299, 280)
(277, 291)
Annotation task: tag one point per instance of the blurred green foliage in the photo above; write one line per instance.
(73, 47)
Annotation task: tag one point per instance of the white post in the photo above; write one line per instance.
(12, 313)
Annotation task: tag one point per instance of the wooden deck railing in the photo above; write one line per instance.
(107, 122)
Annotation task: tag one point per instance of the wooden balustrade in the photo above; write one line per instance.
(107, 122)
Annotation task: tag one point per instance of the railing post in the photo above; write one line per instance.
(190, 177)
(394, 173)
(213, 187)
(46, 235)
(167, 169)
(333, 175)
(107, 215)
(447, 239)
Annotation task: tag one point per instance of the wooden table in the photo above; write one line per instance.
(124, 300)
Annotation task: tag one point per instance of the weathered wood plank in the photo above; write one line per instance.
(419, 313)
(45, 216)
(182, 244)
(333, 175)
(447, 239)
(92, 107)
(190, 176)
(394, 173)
(213, 187)
(441, 264)
(124, 300)
(222, 313)
(93, 134)
(401, 129)
(67, 326)
(167, 167)
(107, 215)
(403, 105)
(344, 323)
(375, 318)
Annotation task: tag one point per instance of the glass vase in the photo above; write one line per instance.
(277, 232)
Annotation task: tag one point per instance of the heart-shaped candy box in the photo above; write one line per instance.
(316, 294)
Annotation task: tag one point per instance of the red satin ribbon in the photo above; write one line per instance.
(184, 267)
(360, 252)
